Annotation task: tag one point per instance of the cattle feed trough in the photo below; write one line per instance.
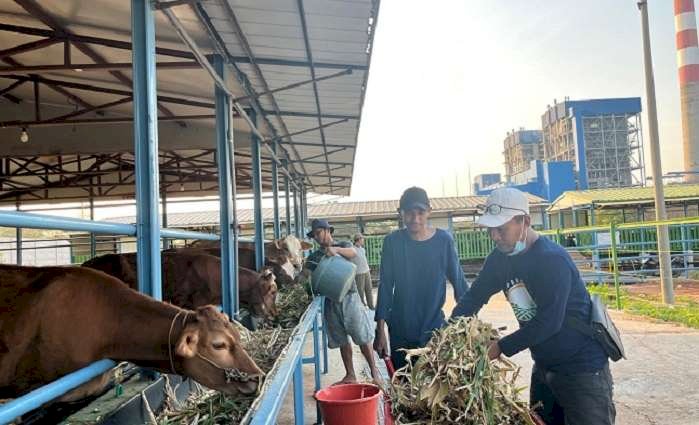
(268, 108)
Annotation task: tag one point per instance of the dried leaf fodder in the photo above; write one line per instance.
(452, 381)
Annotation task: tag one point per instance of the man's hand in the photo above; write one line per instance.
(380, 343)
(494, 350)
(330, 251)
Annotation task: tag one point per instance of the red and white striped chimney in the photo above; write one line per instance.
(688, 67)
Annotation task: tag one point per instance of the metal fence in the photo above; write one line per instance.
(470, 245)
(630, 256)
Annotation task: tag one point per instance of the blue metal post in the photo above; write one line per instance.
(287, 205)
(316, 362)
(304, 209)
(167, 243)
(229, 243)
(275, 194)
(18, 245)
(18, 242)
(325, 337)
(298, 392)
(297, 219)
(93, 239)
(257, 192)
(145, 123)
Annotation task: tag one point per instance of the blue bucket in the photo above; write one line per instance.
(333, 278)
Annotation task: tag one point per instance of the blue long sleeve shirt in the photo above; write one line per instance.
(543, 286)
(412, 284)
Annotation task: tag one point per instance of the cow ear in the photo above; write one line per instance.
(187, 345)
(306, 246)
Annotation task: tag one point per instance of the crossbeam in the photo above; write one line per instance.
(119, 92)
(126, 45)
(93, 67)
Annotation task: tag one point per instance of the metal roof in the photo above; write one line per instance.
(321, 48)
(339, 211)
(623, 196)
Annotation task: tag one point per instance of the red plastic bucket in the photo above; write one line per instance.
(349, 404)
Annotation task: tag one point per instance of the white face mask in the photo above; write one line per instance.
(521, 244)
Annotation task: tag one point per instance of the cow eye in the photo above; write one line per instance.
(219, 345)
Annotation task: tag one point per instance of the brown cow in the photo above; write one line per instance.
(192, 279)
(54, 320)
(281, 254)
(246, 259)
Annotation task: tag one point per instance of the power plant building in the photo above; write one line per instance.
(602, 137)
(521, 147)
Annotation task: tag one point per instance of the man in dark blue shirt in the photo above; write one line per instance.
(415, 264)
(571, 379)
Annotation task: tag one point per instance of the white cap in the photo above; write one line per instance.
(513, 202)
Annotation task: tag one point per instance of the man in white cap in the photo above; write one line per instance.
(570, 380)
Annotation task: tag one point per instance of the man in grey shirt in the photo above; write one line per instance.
(363, 274)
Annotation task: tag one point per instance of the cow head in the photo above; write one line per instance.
(268, 289)
(263, 294)
(278, 256)
(210, 351)
(294, 249)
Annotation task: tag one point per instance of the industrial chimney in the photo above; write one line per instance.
(688, 67)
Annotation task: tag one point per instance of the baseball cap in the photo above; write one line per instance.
(319, 224)
(503, 205)
(414, 197)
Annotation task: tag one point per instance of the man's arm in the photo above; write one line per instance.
(550, 293)
(345, 252)
(485, 286)
(455, 273)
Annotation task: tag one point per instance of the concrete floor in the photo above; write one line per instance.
(657, 384)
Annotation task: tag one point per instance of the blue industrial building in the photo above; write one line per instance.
(585, 144)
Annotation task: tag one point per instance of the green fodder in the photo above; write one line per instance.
(451, 380)
(265, 346)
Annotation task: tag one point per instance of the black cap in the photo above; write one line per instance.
(414, 197)
(319, 224)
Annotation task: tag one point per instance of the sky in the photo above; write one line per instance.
(448, 81)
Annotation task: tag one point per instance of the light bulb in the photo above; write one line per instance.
(181, 187)
(24, 136)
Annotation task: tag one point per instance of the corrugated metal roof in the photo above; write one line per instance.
(461, 205)
(623, 196)
(280, 40)
(328, 36)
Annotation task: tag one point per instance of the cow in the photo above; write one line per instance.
(55, 320)
(192, 279)
(283, 255)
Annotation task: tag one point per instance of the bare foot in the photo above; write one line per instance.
(348, 379)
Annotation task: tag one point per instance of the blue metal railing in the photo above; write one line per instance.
(36, 398)
(266, 409)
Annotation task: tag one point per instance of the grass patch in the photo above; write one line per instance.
(685, 311)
